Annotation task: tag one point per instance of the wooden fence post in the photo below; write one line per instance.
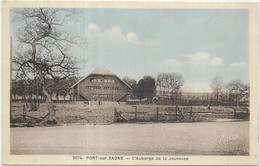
(180, 112)
(135, 113)
(118, 116)
(24, 113)
(191, 116)
(157, 114)
(176, 113)
(115, 115)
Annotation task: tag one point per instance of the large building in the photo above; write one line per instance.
(100, 85)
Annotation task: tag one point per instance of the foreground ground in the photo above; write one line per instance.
(210, 138)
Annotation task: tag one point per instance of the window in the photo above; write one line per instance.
(110, 81)
(111, 88)
(97, 87)
(95, 80)
(93, 87)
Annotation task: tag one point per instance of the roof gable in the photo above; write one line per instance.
(102, 71)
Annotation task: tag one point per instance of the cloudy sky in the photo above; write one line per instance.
(198, 43)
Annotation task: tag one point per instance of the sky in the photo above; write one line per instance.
(200, 44)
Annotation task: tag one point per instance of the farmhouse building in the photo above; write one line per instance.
(100, 85)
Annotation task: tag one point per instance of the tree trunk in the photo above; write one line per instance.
(176, 96)
(37, 97)
(51, 111)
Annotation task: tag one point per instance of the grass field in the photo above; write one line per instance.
(81, 113)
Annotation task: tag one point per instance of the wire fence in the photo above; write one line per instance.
(178, 113)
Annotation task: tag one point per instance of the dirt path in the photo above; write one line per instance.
(215, 138)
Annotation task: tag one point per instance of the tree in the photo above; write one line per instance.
(132, 83)
(169, 82)
(24, 88)
(217, 86)
(176, 82)
(162, 83)
(129, 81)
(146, 88)
(44, 48)
(237, 90)
(63, 87)
(18, 88)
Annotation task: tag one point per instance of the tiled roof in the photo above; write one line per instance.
(99, 71)
(102, 71)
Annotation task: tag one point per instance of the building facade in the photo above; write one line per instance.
(100, 85)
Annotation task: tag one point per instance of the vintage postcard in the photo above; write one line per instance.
(130, 83)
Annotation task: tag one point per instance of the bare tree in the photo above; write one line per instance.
(169, 82)
(163, 83)
(176, 82)
(237, 90)
(160, 83)
(217, 86)
(44, 48)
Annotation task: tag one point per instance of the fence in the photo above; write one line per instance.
(189, 102)
(178, 113)
(153, 114)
